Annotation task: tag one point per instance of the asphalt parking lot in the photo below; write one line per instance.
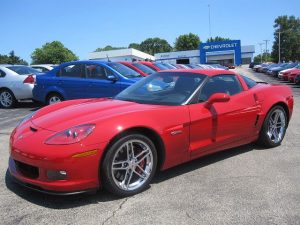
(244, 185)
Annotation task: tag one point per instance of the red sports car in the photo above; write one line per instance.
(140, 68)
(161, 121)
(154, 65)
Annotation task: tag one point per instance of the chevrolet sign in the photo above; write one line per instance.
(220, 46)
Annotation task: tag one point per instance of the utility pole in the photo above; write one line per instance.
(266, 48)
(260, 44)
(209, 20)
(279, 53)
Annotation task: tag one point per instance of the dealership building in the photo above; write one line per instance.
(224, 52)
(128, 54)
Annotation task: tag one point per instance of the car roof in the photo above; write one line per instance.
(208, 72)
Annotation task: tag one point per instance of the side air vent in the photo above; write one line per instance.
(33, 129)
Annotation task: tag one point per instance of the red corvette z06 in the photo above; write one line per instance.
(163, 120)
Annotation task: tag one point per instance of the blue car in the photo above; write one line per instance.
(83, 79)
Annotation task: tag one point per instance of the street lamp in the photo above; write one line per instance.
(260, 44)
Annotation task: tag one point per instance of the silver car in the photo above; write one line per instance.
(16, 83)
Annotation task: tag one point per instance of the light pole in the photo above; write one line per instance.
(209, 20)
(266, 48)
(260, 44)
(279, 53)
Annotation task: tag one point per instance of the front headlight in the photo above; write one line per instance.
(71, 135)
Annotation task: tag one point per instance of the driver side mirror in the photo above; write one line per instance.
(217, 97)
(112, 78)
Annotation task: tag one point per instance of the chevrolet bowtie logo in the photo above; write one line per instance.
(206, 47)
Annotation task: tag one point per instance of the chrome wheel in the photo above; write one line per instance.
(6, 99)
(276, 126)
(132, 165)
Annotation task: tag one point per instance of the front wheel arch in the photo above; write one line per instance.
(151, 134)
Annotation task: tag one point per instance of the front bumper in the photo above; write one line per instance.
(31, 160)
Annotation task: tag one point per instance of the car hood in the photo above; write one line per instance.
(64, 115)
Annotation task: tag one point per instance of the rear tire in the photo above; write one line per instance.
(273, 128)
(129, 165)
(7, 99)
(54, 98)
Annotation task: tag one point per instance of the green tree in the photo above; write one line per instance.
(155, 45)
(217, 38)
(265, 58)
(108, 48)
(11, 58)
(134, 45)
(289, 28)
(52, 53)
(187, 42)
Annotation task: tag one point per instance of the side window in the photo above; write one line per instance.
(109, 72)
(250, 83)
(95, 72)
(228, 84)
(71, 71)
(2, 73)
(38, 69)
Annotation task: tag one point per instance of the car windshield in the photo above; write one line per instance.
(161, 66)
(124, 70)
(144, 68)
(23, 70)
(164, 88)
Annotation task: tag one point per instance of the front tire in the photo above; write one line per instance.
(274, 128)
(129, 165)
(54, 98)
(7, 99)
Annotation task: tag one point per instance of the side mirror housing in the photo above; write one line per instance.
(217, 97)
(112, 78)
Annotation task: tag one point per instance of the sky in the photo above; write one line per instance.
(84, 25)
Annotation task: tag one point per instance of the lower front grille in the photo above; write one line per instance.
(27, 170)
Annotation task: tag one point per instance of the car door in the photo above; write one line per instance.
(71, 81)
(102, 82)
(223, 124)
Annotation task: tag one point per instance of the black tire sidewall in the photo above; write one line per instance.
(14, 101)
(263, 137)
(106, 173)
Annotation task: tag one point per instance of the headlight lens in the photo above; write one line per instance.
(71, 135)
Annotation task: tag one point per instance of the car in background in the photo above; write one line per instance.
(154, 65)
(252, 64)
(275, 71)
(43, 68)
(218, 66)
(285, 73)
(83, 79)
(169, 66)
(181, 66)
(292, 75)
(297, 79)
(16, 83)
(119, 143)
(140, 68)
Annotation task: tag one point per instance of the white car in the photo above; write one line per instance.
(43, 68)
(16, 83)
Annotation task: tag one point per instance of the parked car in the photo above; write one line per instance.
(83, 79)
(252, 64)
(154, 65)
(120, 143)
(297, 79)
(285, 73)
(218, 66)
(43, 68)
(275, 71)
(140, 68)
(169, 66)
(16, 83)
(292, 75)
